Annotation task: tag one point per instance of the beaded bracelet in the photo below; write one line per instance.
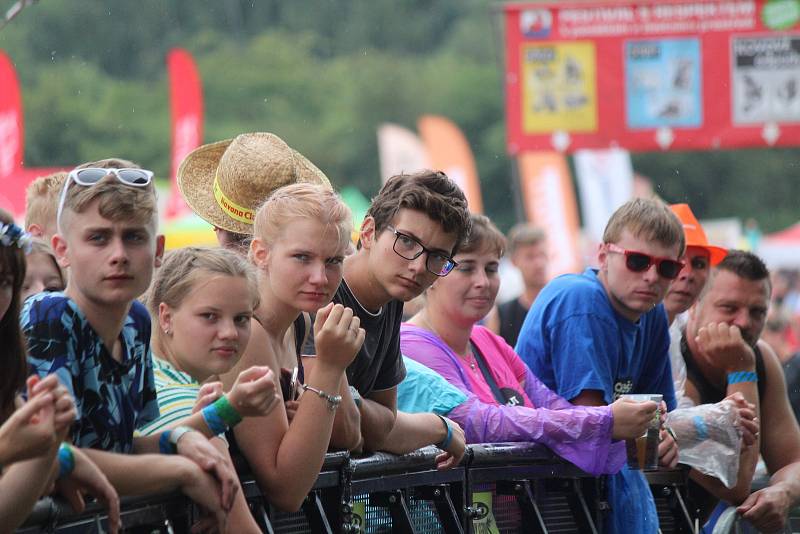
(221, 415)
(449, 437)
(66, 460)
(742, 376)
(332, 400)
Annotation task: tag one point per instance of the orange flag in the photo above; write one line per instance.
(549, 200)
(449, 152)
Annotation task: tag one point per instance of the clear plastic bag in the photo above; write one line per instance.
(709, 439)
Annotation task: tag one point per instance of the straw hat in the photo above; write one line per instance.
(225, 182)
(695, 236)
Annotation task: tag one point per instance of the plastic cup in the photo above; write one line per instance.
(643, 451)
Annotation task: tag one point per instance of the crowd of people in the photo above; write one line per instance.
(130, 371)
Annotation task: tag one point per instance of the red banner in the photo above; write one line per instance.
(186, 102)
(646, 75)
(11, 132)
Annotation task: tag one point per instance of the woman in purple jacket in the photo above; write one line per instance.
(505, 401)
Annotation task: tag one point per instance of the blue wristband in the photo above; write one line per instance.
(700, 427)
(164, 446)
(66, 460)
(214, 420)
(449, 437)
(742, 376)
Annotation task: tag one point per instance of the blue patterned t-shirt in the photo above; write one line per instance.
(112, 398)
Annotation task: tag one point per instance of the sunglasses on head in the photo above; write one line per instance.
(90, 176)
(639, 262)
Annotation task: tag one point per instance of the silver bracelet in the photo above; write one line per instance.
(332, 400)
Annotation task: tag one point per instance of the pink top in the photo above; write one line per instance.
(506, 367)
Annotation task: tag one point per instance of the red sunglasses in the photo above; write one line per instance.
(639, 262)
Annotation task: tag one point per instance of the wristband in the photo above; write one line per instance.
(168, 442)
(700, 427)
(333, 400)
(66, 460)
(221, 415)
(742, 376)
(449, 437)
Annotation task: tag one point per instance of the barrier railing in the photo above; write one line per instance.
(506, 487)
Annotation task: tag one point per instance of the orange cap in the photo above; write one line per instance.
(695, 236)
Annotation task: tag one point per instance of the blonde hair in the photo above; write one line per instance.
(302, 201)
(117, 201)
(40, 246)
(648, 219)
(184, 268)
(41, 200)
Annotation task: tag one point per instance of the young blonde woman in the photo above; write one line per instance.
(203, 301)
(301, 235)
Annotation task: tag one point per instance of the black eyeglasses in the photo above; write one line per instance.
(639, 262)
(409, 248)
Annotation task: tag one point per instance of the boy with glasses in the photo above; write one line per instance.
(412, 229)
(598, 335)
(96, 338)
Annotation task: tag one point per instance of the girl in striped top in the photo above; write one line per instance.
(203, 302)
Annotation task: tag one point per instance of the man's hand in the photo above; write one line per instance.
(254, 394)
(667, 450)
(767, 509)
(631, 418)
(338, 335)
(455, 449)
(724, 346)
(748, 423)
(196, 447)
(205, 491)
(87, 478)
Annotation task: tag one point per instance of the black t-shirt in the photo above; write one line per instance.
(378, 365)
(512, 315)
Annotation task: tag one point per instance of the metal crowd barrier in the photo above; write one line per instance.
(498, 488)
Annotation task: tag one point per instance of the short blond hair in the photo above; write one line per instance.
(185, 268)
(648, 219)
(302, 201)
(40, 246)
(117, 201)
(41, 200)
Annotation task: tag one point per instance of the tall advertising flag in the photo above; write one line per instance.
(186, 103)
(11, 131)
(400, 151)
(449, 152)
(549, 200)
(605, 181)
